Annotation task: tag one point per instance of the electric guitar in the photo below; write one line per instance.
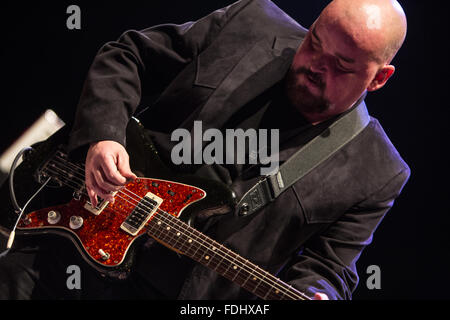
(162, 207)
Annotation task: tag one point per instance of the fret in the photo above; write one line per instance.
(170, 229)
(225, 263)
(259, 284)
(188, 246)
(213, 253)
(291, 289)
(204, 252)
(178, 235)
(199, 247)
(209, 254)
(223, 260)
(188, 238)
(219, 256)
(200, 243)
(158, 228)
(151, 226)
(283, 291)
(241, 268)
(253, 281)
(229, 266)
(193, 244)
(248, 277)
(184, 238)
(267, 293)
(167, 232)
(276, 292)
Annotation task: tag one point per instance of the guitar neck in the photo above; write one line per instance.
(180, 237)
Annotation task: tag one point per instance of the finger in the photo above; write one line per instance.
(123, 165)
(91, 193)
(106, 195)
(102, 183)
(92, 196)
(112, 173)
(95, 190)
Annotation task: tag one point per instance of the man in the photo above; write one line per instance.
(222, 69)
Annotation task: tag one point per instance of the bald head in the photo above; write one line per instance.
(346, 52)
(376, 26)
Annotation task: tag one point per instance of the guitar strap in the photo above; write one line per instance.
(322, 147)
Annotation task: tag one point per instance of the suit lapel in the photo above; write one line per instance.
(260, 68)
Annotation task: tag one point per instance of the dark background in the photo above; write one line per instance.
(43, 65)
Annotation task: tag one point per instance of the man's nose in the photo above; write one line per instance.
(318, 64)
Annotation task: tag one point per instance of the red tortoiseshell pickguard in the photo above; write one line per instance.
(103, 231)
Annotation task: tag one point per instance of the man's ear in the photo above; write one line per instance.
(381, 77)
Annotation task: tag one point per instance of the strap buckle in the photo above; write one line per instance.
(265, 191)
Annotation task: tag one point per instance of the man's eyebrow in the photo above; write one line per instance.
(346, 59)
(313, 32)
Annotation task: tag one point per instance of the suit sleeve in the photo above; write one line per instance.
(327, 262)
(139, 60)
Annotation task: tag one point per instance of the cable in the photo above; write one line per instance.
(19, 210)
(13, 232)
(11, 177)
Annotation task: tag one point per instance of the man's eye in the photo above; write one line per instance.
(314, 44)
(343, 69)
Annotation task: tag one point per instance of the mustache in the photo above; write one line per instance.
(314, 77)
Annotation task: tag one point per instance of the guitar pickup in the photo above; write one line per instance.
(102, 204)
(141, 214)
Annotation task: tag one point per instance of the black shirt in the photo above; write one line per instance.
(270, 110)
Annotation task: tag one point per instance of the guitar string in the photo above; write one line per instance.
(224, 272)
(177, 220)
(76, 186)
(296, 292)
(234, 259)
(254, 271)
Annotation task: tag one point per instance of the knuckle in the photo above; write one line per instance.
(110, 172)
(89, 184)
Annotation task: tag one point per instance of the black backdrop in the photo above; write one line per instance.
(43, 65)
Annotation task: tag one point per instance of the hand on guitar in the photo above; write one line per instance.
(107, 170)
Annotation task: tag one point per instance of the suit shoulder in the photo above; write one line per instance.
(269, 17)
(379, 154)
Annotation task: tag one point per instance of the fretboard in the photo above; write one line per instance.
(179, 236)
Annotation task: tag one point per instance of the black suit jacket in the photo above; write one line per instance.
(316, 230)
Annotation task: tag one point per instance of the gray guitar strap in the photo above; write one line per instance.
(338, 134)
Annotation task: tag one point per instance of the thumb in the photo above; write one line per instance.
(123, 165)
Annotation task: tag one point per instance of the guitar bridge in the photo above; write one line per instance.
(99, 208)
(141, 214)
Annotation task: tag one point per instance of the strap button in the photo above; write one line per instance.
(244, 209)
